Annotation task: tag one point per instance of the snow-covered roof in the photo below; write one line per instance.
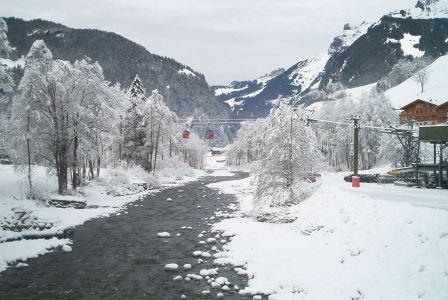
(415, 101)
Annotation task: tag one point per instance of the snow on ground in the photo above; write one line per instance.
(408, 45)
(24, 249)
(221, 173)
(253, 94)
(435, 89)
(307, 71)
(360, 92)
(437, 9)
(227, 90)
(357, 94)
(215, 162)
(186, 72)
(13, 63)
(374, 242)
(232, 102)
(21, 218)
(240, 188)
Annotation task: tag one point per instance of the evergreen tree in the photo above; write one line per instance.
(137, 91)
(133, 128)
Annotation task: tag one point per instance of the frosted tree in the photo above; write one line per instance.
(62, 108)
(94, 106)
(133, 127)
(27, 109)
(288, 154)
(246, 147)
(191, 150)
(375, 110)
(6, 82)
(422, 78)
(402, 70)
(334, 138)
(160, 123)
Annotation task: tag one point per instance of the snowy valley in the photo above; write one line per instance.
(124, 175)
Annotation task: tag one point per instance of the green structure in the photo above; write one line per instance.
(438, 136)
(434, 134)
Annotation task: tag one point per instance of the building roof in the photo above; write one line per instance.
(416, 101)
(431, 101)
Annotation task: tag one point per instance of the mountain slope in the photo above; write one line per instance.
(294, 82)
(360, 56)
(435, 89)
(186, 91)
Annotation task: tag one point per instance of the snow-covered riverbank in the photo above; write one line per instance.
(345, 244)
(22, 218)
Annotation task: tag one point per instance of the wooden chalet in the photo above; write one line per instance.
(425, 112)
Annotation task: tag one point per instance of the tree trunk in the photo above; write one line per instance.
(98, 167)
(62, 172)
(91, 173)
(84, 169)
(120, 138)
(75, 161)
(156, 149)
(28, 150)
(290, 167)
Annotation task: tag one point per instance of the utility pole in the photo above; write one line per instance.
(355, 119)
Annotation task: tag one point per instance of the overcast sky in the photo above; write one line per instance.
(224, 39)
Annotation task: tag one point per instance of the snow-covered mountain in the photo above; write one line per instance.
(359, 56)
(186, 91)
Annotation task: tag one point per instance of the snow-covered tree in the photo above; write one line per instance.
(95, 104)
(133, 127)
(159, 127)
(27, 109)
(60, 109)
(150, 132)
(191, 150)
(6, 83)
(402, 70)
(374, 110)
(246, 147)
(422, 78)
(288, 153)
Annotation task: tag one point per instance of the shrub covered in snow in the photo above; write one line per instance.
(173, 166)
(128, 180)
(289, 156)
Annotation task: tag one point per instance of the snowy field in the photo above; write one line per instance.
(375, 242)
(104, 197)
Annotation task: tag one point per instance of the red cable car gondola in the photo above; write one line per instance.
(186, 134)
(210, 134)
